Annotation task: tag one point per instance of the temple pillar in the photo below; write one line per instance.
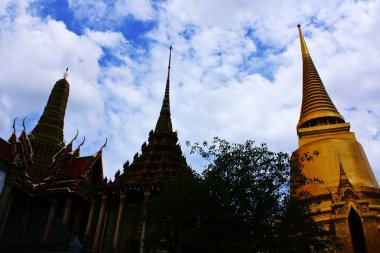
(371, 231)
(67, 211)
(119, 220)
(143, 226)
(7, 200)
(99, 226)
(77, 219)
(50, 220)
(90, 218)
(25, 221)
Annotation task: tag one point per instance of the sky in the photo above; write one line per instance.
(236, 69)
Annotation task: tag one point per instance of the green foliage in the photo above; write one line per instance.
(241, 203)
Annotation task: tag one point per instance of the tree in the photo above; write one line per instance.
(174, 216)
(298, 232)
(241, 203)
(250, 181)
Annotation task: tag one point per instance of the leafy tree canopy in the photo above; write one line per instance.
(241, 203)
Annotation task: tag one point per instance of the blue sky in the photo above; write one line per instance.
(236, 69)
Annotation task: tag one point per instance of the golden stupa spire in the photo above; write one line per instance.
(317, 107)
(304, 49)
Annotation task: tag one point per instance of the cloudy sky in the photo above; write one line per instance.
(236, 69)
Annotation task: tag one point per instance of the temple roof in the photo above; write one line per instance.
(17, 150)
(161, 158)
(47, 137)
(316, 102)
(67, 172)
(46, 164)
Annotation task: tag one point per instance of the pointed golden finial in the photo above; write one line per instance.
(66, 74)
(304, 49)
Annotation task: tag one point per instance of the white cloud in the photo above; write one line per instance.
(110, 13)
(105, 39)
(236, 70)
(140, 9)
(88, 11)
(35, 53)
(272, 109)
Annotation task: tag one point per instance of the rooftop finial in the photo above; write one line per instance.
(66, 74)
(75, 137)
(105, 144)
(23, 123)
(14, 124)
(84, 139)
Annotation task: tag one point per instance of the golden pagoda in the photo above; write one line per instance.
(349, 195)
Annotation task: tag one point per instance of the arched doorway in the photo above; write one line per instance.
(357, 233)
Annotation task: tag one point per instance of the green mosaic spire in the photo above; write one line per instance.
(47, 137)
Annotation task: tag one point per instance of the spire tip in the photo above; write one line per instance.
(170, 56)
(66, 74)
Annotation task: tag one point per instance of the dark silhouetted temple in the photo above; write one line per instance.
(54, 199)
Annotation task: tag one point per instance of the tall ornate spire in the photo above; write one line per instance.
(164, 123)
(161, 157)
(317, 106)
(47, 137)
(348, 180)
